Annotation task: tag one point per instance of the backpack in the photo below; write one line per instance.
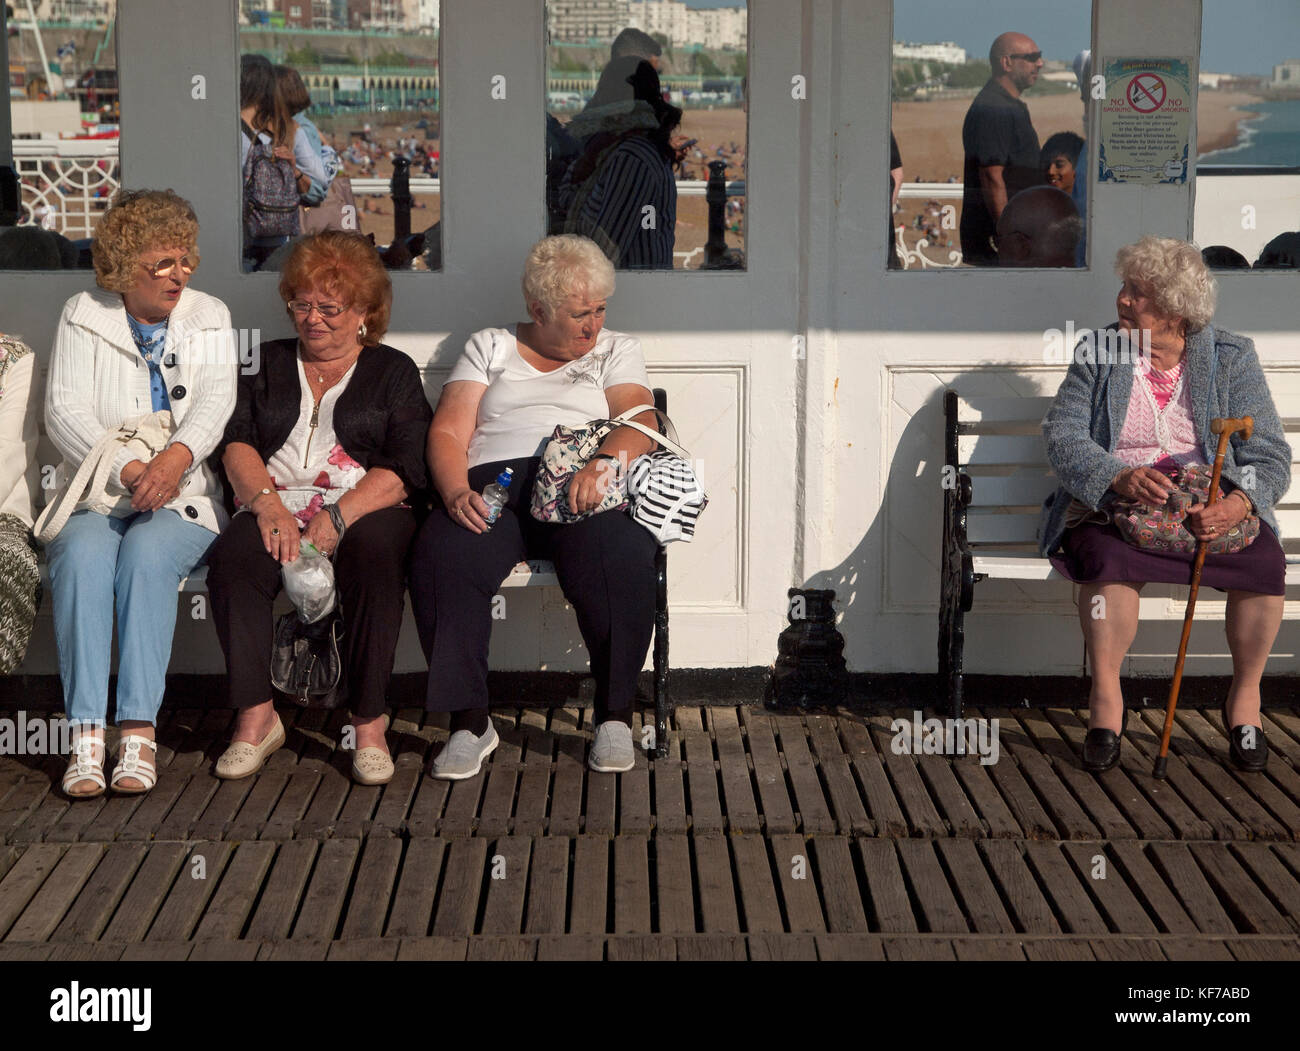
(270, 191)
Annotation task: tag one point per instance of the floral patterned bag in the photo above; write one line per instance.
(1160, 528)
(567, 452)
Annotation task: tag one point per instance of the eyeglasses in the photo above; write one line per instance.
(1030, 56)
(301, 308)
(165, 267)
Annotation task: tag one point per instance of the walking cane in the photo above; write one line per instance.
(1224, 429)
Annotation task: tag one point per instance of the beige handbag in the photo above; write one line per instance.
(146, 436)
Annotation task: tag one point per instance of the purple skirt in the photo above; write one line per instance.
(1093, 552)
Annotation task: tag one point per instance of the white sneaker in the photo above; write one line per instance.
(611, 749)
(463, 757)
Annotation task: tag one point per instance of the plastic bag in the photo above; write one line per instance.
(309, 582)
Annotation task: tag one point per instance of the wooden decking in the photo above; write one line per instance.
(761, 837)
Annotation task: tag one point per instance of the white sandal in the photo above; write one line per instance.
(132, 763)
(85, 763)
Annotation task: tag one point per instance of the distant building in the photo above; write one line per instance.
(718, 28)
(580, 21)
(1287, 75)
(945, 52)
(95, 11)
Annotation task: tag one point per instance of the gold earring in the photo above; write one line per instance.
(361, 332)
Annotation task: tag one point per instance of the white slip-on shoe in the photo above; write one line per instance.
(463, 756)
(611, 749)
(242, 759)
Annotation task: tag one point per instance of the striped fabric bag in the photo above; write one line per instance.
(666, 496)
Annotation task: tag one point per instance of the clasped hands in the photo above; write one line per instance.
(1204, 521)
(152, 485)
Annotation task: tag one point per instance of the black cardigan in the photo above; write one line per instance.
(381, 419)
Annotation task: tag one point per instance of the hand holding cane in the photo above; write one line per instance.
(1224, 429)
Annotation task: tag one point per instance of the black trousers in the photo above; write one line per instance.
(370, 573)
(606, 568)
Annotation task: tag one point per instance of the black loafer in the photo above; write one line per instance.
(1101, 748)
(1247, 746)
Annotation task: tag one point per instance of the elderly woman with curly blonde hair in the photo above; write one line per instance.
(142, 342)
(1124, 426)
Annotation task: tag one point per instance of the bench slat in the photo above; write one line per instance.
(985, 450)
(1028, 567)
(1002, 529)
(1023, 488)
(1002, 410)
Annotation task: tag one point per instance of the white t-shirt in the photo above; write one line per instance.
(311, 469)
(522, 405)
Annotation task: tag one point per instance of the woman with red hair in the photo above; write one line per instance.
(326, 444)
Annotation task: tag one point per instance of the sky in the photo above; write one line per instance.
(1239, 36)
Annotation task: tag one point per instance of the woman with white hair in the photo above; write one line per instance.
(1124, 427)
(505, 395)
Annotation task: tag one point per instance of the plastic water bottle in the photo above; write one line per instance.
(495, 494)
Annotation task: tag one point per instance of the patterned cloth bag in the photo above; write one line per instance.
(567, 452)
(1160, 528)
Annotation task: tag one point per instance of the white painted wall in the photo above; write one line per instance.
(822, 469)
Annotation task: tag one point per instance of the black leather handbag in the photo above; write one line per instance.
(306, 663)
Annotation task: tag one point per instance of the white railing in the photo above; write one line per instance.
(425, 184)
(916, 257)
(73, 178)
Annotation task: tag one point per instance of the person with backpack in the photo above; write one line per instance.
(277, 162)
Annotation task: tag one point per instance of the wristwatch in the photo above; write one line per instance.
(616, 460)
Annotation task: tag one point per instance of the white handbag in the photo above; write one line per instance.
(146, 436)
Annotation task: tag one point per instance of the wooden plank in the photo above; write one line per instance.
(417, 889)
(1031, 911)
(913, 796)
(918, 949)
(769, 774)
(953, 806)
(1123, 912)
(1194, 949)
(702, 779)
(1282, 888)
(26, 953)
(75, 820)
(792, 863)
(432, 949)
(48, 807)
(323, 901)
(999, 529)
(507, 863)
(1145, 821)
(90, 913)
(229, 910)
(366, 950)
(93, 952)
(548, 886)
(1245, 903)
(457, 904)
(891, 907)
(710, 947)
(24, 880)
(190, 755)
(850, 947)
(278, 907)
(57, 894)
(988, 948)
(758, 900)
(190, 804)
(220, 812)
(885, 811)
(359, 808)
(974, 414)
(1126, 949)
(292, 805)
(631, 886)
(426, 810)
(1058, 950)
(1064, 810)
(634, 817)
(716, 889)
(673, 884)
(571, 947)
(938, 907)
(153, 880)
(298, 951)
(589, 905)
(986, 450)
(1270, 950)
(462, 804)
(535, 780)
(23, 801)
(1175, 864)
(225, 952)
(600, 812)
(846, 802)
(498, 948)
(270, 781)
(782, 947)
(367, 908)
(738, 795)
(502, 778)
(979, 897)
(1133, 866)
(994, 814)
(838, 882)
(641, 947)
(1072, 903)
(566, 796)
(190, 893)
(390, 815)
(813, 814)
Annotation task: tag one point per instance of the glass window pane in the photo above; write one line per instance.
(59, 153)
(1248, 143)
(647, 129)
(979, 118)
(348, 95)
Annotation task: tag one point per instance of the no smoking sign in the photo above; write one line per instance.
(1146, 93)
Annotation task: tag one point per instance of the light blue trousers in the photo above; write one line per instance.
(134, 565)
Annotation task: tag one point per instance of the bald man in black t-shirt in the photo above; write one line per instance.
(1000, 143)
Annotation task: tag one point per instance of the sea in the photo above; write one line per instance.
(1273, 138)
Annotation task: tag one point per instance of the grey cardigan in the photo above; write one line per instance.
(1083, 426)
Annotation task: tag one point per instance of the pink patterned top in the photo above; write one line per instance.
(1159, 428)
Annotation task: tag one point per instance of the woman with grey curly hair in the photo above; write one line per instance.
(1131, 419)
(505, 395)
(142, 347)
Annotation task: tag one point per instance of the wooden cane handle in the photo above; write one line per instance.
(1245, 424)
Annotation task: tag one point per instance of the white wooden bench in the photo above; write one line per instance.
(996, 476)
